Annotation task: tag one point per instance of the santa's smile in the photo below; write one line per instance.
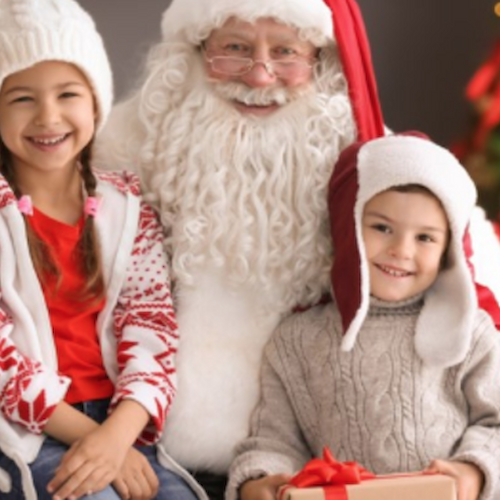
(255, 109)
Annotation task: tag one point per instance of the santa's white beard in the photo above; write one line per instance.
(243, 200)
(247, 194)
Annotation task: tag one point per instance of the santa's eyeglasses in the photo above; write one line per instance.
(238, 66)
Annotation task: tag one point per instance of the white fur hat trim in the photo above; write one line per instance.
(193, 20)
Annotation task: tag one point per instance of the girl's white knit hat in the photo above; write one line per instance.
(444, 327)
(33, 31)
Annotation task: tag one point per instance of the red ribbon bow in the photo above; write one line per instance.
(328, 472)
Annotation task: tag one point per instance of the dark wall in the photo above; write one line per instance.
(424, 53)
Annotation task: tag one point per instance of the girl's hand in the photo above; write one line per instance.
(90, 465)
(265, 488)
(468, 477)
(136, 479)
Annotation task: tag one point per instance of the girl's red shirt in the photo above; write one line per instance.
(73, 320)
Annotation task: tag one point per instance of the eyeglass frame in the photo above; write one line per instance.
(268, 65)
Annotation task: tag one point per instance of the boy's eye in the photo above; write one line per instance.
(382, 228)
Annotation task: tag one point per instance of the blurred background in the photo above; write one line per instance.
(425, 53)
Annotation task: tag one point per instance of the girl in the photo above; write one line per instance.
(87, 328)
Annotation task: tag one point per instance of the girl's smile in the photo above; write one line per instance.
(47, 116)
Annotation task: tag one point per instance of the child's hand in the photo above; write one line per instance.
(265, 488)
(468, 477)
(136, 480)
(90, 465)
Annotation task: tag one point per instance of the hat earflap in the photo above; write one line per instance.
(350, 284)
(449, 308)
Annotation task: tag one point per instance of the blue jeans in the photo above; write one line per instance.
(172, 487)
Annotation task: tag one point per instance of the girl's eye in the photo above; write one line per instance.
(68, 95)
(22, 98)
(425, 238)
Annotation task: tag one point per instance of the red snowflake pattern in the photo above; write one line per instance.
(145, 326)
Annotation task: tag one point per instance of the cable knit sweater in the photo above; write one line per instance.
(378, 404)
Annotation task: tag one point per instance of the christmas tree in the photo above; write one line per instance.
(479, 150)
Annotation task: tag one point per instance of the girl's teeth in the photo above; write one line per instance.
(49, 142)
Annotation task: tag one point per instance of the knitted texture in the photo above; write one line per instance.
(378, 404)
(32, 31)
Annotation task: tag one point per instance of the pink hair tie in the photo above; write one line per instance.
(25, 205)
(91, 206)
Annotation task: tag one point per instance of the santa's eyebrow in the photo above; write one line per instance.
(247, 37)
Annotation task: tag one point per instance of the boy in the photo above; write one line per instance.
(402, 372)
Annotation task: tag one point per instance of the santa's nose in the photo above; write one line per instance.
(260, 75)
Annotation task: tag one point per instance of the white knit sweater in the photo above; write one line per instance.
(378, 404)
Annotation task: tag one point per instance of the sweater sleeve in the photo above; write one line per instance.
(29, 391)
(480, 443)
(276, 444)
(146, 329)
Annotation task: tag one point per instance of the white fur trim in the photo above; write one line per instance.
(193, 20)
(223, 333)
(486, 248)
(351, 334)
(444, 326)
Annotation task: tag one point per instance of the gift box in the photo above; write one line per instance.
(414, 487)
(327, 479)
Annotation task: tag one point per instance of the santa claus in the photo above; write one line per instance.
(234, 131)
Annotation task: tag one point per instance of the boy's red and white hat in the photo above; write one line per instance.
(365, 169)
(33, 31)
(322, 22)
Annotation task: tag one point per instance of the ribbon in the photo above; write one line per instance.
(25, 205)
(331, 475)
(91, 206)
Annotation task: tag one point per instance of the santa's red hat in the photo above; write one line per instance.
(321, 21)
(365, 169)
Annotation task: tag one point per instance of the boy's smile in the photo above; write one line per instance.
(405, 236)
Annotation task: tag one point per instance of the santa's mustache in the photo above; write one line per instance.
(235, 91)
